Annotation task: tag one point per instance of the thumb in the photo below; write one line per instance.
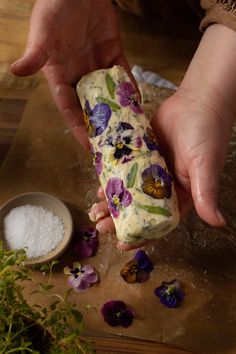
(204, 175)
(33, 59)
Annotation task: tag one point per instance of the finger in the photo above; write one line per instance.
(105, 225)
(99, 211)
(68, 104)
(31, 61)
(100, 193)
(185, 201)
(121, 60)
(204, 174)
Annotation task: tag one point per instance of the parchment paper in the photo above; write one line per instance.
(45, 157)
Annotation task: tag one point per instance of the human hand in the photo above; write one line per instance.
(193, 127)
(68, 39)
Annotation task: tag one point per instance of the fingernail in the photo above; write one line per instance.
(220, 217)
(99, 215)
(99, 227)
(92, 214)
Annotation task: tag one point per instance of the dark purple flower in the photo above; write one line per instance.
(87, 241)
(144, 263)
(116, 313)
(151, 140)
(118, 197)
(125, 144)
(81, 276)
(128, 97)
(96, 120)
(170, 293)
(156, 182)
(138, 269)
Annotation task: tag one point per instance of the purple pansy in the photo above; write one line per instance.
(128, 96)
(81, 276)
(116, 313)
(124, 143)
(87, 241)
(151, 140)
(156, 182)
(97, 160)
(138, 269)
(144, 262)
(118, 197)
(96, 119)
(170, 293)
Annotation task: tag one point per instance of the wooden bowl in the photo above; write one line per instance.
(48, 202)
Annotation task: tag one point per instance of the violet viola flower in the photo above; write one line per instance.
(170, 293)
(97, 160)
(81, 276)
(118, 197)
(151, 140)
(87, 241)
(116, 313)
(156, 182)
(128, 96)
(96, 119)
(124, 143)
(138, 269)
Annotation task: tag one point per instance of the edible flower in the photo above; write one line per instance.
(138, 269)
(81, 276)
(170, 293)
(96, 120)
(151, 140)
(97, 160)
(156, 182)
(116, 313)
(87, 241)
(124, 143)
(128, 97)
(118, 196)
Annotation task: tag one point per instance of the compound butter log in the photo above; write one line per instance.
(138, 187)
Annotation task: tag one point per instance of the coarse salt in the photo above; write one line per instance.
(32, 227)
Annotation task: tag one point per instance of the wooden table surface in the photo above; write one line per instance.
(144, 44)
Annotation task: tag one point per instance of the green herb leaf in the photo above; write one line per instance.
(114, 106)
(132, 175)
(110, 85)
(154, 209)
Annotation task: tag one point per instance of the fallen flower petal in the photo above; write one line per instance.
(87, 241)
(116, 313)
(138, 269)
(81, 276)
(170, 293)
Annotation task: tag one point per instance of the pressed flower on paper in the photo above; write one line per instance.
(116, 313)
(170, 293)
(128, 96)
(87, 243)
(81, 276)
(156, 182)
(96, 119)
(138, 269)
(118, 196)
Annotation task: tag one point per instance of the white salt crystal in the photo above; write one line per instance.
(32, 227)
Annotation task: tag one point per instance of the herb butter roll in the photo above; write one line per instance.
(138, 187)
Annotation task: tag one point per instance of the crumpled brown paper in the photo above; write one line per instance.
(45, 157)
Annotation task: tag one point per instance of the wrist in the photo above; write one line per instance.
(211, 77)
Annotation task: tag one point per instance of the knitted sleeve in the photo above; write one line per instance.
(219, 11)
